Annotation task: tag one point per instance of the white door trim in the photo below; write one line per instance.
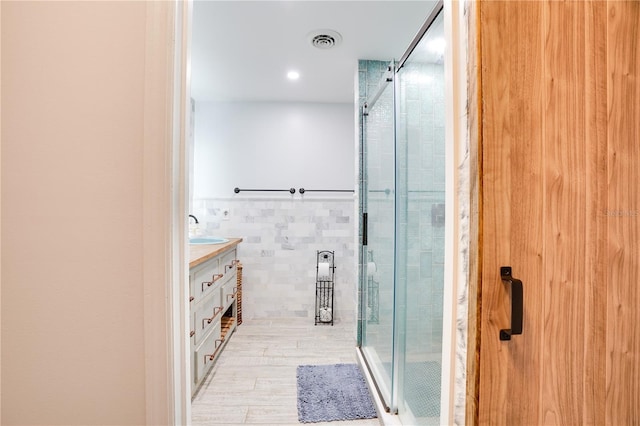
(457, 201)
(167, 388)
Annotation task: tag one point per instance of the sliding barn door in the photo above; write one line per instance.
(560, 173)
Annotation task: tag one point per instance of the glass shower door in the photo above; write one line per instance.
(420, 139)
(378, 202)
(403, 200)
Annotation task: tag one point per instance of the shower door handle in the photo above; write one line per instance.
(516, 303)
(365, 229)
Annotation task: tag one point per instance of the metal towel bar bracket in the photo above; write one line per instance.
(290, 190)
(302, 190)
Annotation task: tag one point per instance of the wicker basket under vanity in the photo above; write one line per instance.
(239, 293)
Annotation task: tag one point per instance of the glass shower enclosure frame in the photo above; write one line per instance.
(402, 197)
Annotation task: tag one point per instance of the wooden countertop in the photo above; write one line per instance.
(199, 253)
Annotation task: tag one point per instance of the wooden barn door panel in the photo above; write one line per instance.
(512, 196)
(623, 214)
(560, 183)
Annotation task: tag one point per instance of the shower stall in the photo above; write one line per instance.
(402, 198)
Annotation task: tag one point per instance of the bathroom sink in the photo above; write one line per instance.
(207, 240)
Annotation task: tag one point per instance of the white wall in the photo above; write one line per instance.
(272, 146)
(74, 152)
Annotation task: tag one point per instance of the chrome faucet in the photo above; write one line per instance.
(194, 218)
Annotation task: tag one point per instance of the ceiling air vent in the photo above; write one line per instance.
(325, 39)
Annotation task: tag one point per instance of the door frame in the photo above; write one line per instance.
(460, 211)
(166, 312)
(165, 183)
(474, 272)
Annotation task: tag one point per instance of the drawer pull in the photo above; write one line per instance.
(191, 299)
(193, 333)
(213, 355)
(233, 263)
(215, 314)
(232, 295)
(214, 278)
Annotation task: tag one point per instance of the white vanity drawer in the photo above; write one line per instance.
(205, 278)
(228, 292)
(228, 266)
(228, 262)
(206, 353)
(206, 314)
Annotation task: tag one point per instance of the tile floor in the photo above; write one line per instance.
(254, 379)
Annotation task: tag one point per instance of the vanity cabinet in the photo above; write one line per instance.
(213, 290)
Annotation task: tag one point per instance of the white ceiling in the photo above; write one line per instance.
(242, 50)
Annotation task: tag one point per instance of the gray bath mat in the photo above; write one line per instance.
(328, 393)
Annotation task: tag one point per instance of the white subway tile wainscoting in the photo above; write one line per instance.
(281, 237)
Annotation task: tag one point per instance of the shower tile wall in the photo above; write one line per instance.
(281, 237)
(421, 142)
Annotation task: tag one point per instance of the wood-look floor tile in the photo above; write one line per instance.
(275, 382)
(216, 414)
(278, 414)
(254, 379)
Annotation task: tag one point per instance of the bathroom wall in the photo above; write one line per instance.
(79, 152)
(278, 146)
(272, 145)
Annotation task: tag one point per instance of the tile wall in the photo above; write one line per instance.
(421, 156)
(281, 238)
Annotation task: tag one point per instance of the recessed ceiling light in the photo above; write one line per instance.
(293, 75)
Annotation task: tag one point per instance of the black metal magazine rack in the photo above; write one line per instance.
(325, 274)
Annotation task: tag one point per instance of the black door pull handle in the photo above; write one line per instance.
(365, 229)
(516, 303)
